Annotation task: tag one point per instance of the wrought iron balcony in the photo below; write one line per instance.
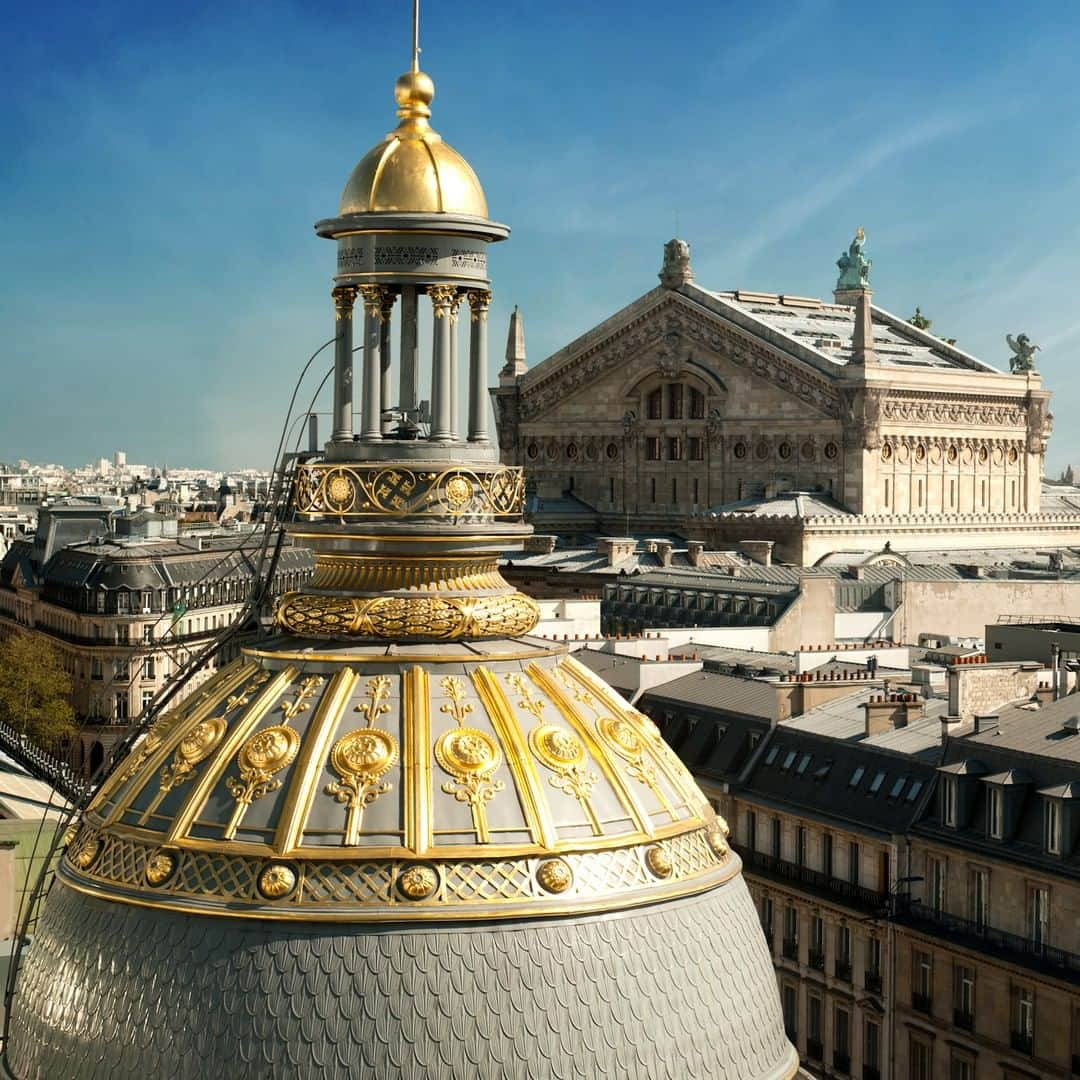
(871, 1072)
(842, 970)
(921, 1002)
(963, 1020)
(791, 949)
(814, 1050)
(1013, 947)
(841, 1062)
(872, 981)
(1021, 1041)
(836, 890)
(816, 959)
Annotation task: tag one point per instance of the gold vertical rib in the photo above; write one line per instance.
(416, 767)
(217, 764)
(622, 790)
(313, 753)
(518, 757)
(198, 708)
(688, 791)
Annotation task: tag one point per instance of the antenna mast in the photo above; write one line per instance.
(416, 35)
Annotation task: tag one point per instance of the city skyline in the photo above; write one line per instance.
(197, 289)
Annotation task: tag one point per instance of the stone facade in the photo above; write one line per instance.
(688, 401)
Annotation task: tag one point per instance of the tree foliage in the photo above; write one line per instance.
(35, 691)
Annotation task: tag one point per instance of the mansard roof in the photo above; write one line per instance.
(813, 335)
(828, 329)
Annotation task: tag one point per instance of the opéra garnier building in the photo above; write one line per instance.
(401, 837)
(700, 413)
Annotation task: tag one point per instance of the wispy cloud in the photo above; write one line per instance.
(789, 215)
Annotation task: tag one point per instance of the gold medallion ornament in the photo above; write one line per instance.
(340, 493)
(470, 757)
(267, 752)
(418, 882)
(561, 751)
(658, 861)
(198, 744)
(458, 492)
(84, 857)
(277, 880)
(555, 876)
(622, 737)
(361, 758)
(159, 867)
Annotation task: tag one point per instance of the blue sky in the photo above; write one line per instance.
(163, 168)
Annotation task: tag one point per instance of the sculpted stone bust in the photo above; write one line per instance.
(854, 265)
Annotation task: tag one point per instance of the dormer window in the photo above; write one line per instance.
(949, 802)
(1052, 826)
(995, 813)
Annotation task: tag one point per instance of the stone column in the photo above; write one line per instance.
(441, 388)
(410, 352)
(384, 360)
(370, 425)
(344, 299)
(479, 301)
(455, 387)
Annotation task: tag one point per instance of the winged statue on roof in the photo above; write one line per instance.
(854, 265)
(1024, 350)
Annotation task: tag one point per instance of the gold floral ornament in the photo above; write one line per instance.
(159, 867)
(361, 758)
(85, 854)
(470, 757)
(554, 875)
(340, 493)
(458, 492)
(418, 882)
(561, 751)
(658, 861)
(621, 736)
(277, 880)
(267, 752)
(199, 743)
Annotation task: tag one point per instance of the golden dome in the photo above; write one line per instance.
(329, 787)
(412, 170)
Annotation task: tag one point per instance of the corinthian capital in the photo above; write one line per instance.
(374, 298)
(344, 299)
(479, 302)
(443, 298)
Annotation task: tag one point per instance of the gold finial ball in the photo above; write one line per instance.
(555, 876)
(276, 881)
(658, 861)
(414, 88)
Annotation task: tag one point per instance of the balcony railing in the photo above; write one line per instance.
(842, 970)
(791, 949)
(963, 1020)
(816, 959)
(921, 1002)
(868, 901)
(872, 981)
(814, 1050)
(871, 1072)
(982, 938)
(1021, 1041)
(841, 1062)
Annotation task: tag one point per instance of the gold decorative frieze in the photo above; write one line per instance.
(382, 889)
(408, 618)
(381, 491)
(361, 758)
